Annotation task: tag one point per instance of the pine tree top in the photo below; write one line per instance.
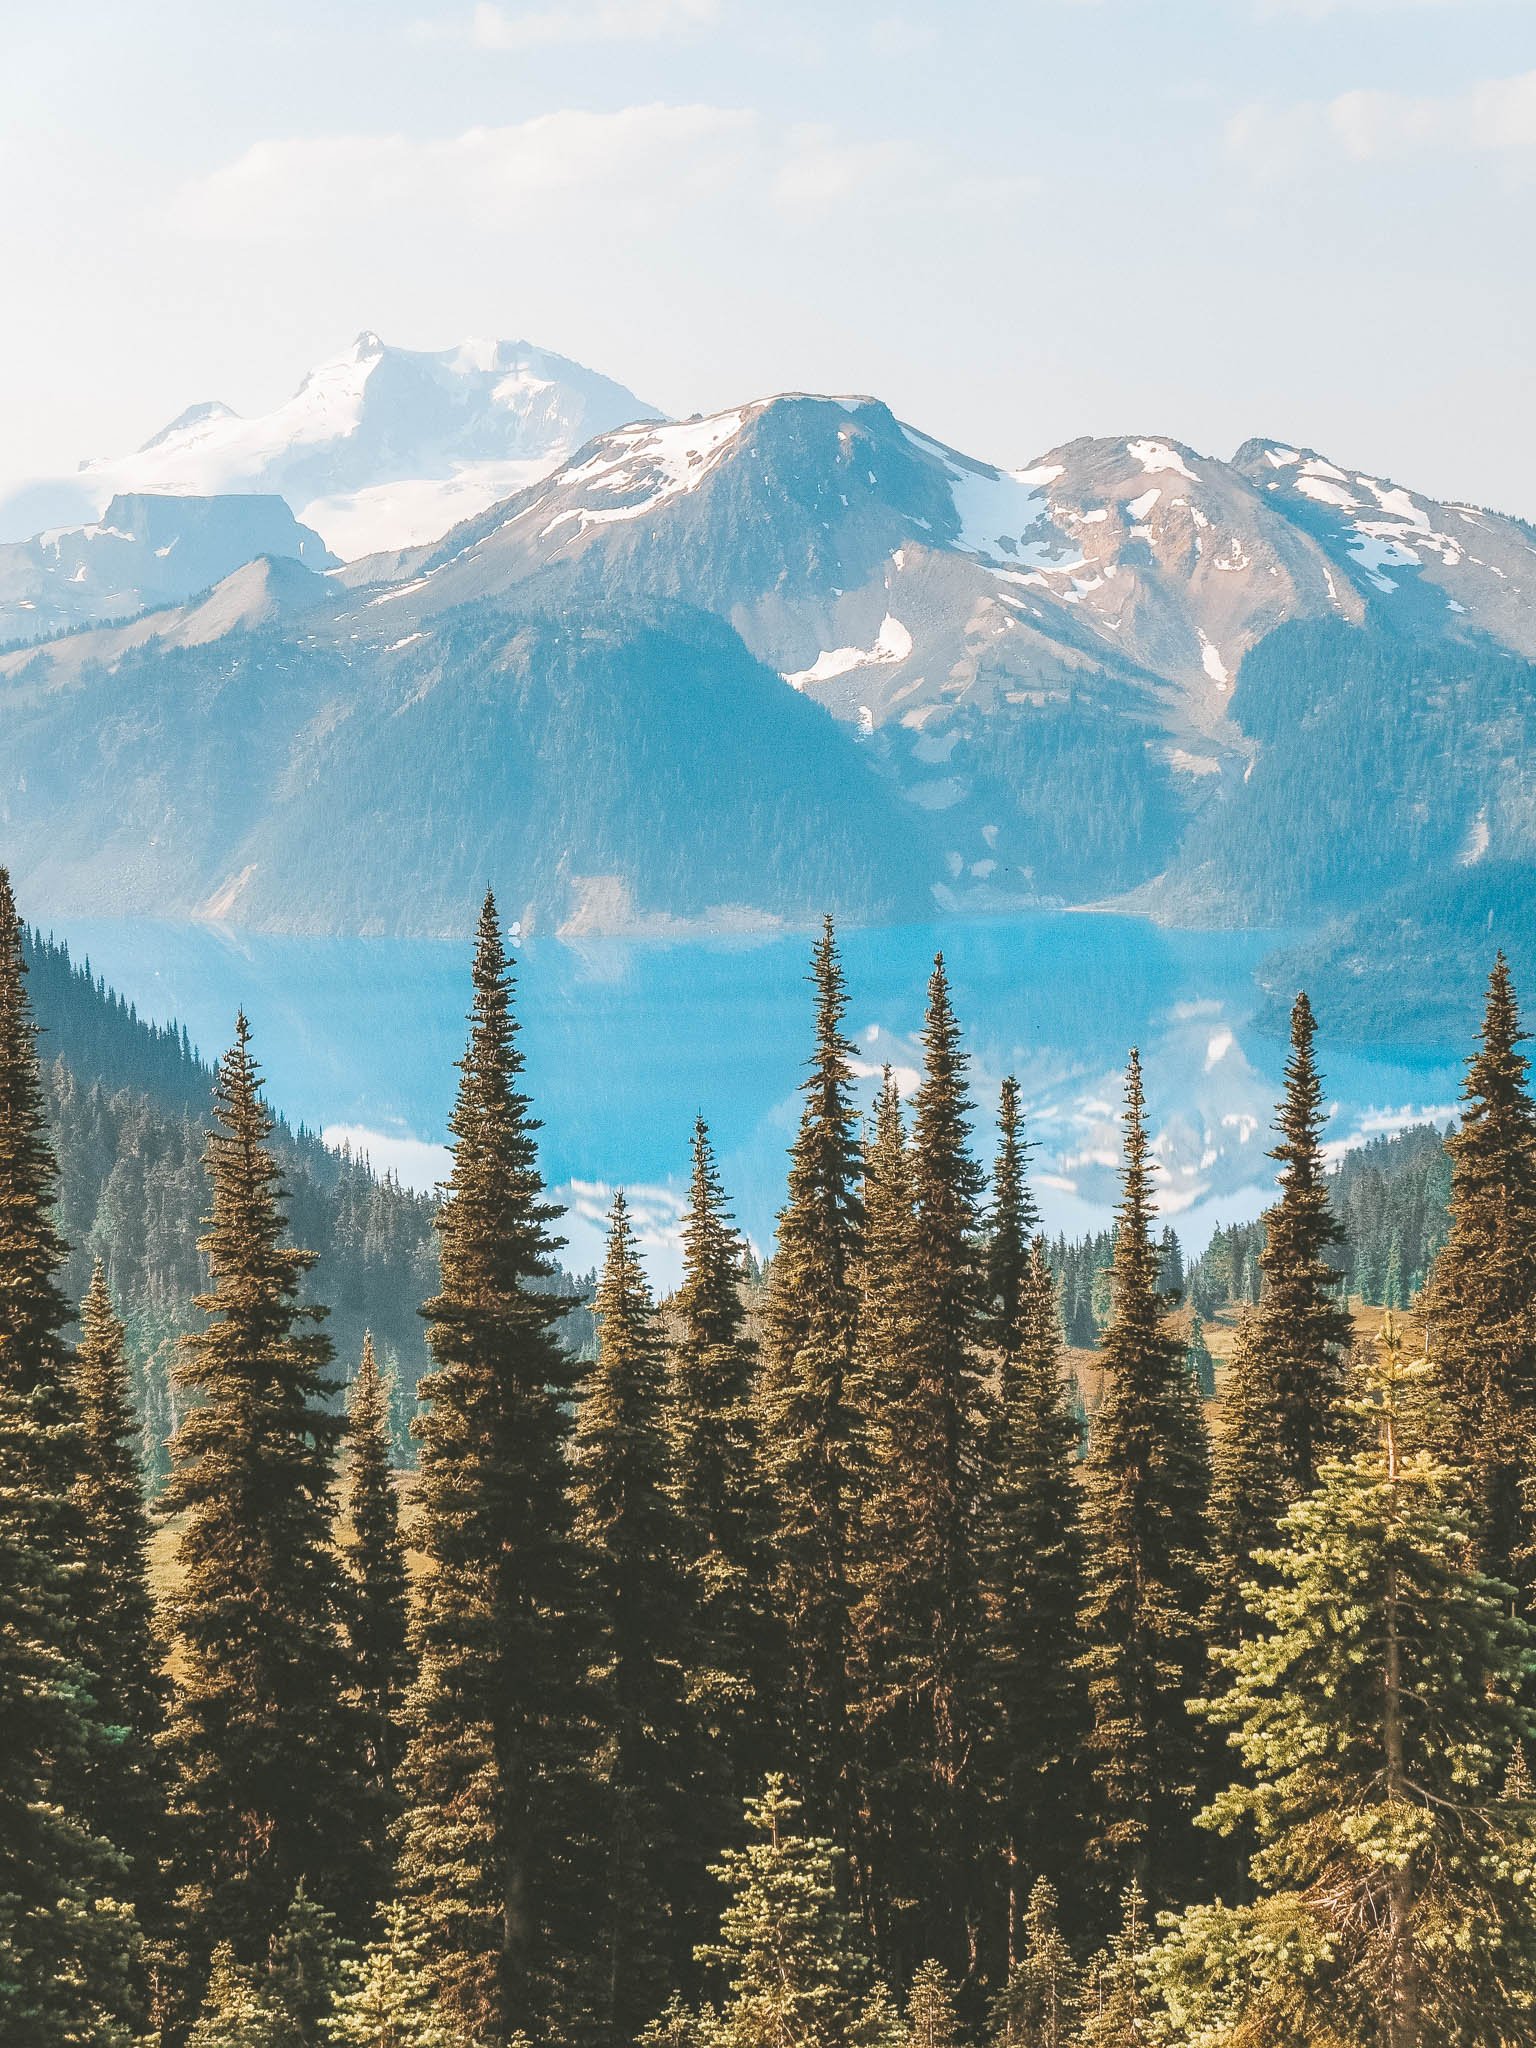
(708, 1302)
(368, 1401)
(1012, 1223)
(623, 1389)
(819, 1224)
(494, 1201)
(109, 1424)
(1137, 1342)
(260, 1367)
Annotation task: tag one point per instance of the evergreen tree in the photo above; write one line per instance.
(717, 1484)
(810, 1421)
(303, 1973)
(1011, 1227)
(932, 2019)
(1377, 1715)
(1284, 1387)
(66, 1935)
(1170, 1264)
(67, 1939)
(492, 1738)
(889, 1316)
(383, 2000)
(377, 1603)
(1198, 1362)
(1479, 1308)
(117, 1639)
(642, 1644)
(1114, 2005)
(1034, 1589)
(921, 1625)
(793, 1972)
(239, 2010)
(33, 1311)
(1147, 1485)
(1038, 2007)
(260, 1737)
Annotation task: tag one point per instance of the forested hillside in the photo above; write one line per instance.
(807, 1669)
(129, 1107)
(1392, 1195)
(1376, 754)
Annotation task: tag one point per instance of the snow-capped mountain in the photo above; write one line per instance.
(145, 550)
(1124, 669)
(380, 447)
(954, 609)
(799, 517)
(1438, 564)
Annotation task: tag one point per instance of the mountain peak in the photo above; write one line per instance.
(211, 409)
(379, 447)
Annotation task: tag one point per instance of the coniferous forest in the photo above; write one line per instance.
(938, 1638)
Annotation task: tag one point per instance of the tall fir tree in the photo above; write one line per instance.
(923, 1626)
(1033, 1580)
(118, 1641)
(1479, 1308)
(260, 1737)
(717, 1483)
(377, 1607)
(810, 1419)
(493, 1717)
(67, 1937)
(1038, 2006)
(642, 1645)
(1012, 1224)
(1148, 1480)
(888, 1323)
(1378, 1711)
(1284, 1389)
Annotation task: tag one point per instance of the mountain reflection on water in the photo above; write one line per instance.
(626, 1040)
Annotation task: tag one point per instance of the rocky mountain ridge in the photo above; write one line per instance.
(1089, 679)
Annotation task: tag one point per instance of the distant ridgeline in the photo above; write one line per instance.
(1390, 1197)
(130, 1105)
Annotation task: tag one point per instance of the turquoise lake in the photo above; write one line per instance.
(626, 1041)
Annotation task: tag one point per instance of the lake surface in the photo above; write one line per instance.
(627, 1040)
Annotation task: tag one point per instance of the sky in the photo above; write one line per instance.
(1017, 221)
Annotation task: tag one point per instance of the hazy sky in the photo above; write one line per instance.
(1016, 220)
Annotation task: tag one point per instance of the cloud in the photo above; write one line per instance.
(587, 21)
(634, 157)
(1496, 116)
(656, 1213)
(1318, 8)
(413, 1162)
(634, 166)
(820, 170)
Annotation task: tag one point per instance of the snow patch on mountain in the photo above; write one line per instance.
(653, 464)
(893, 644)
(1004, 515)
(416, 510)
(1211, 661)
(1158, 459)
